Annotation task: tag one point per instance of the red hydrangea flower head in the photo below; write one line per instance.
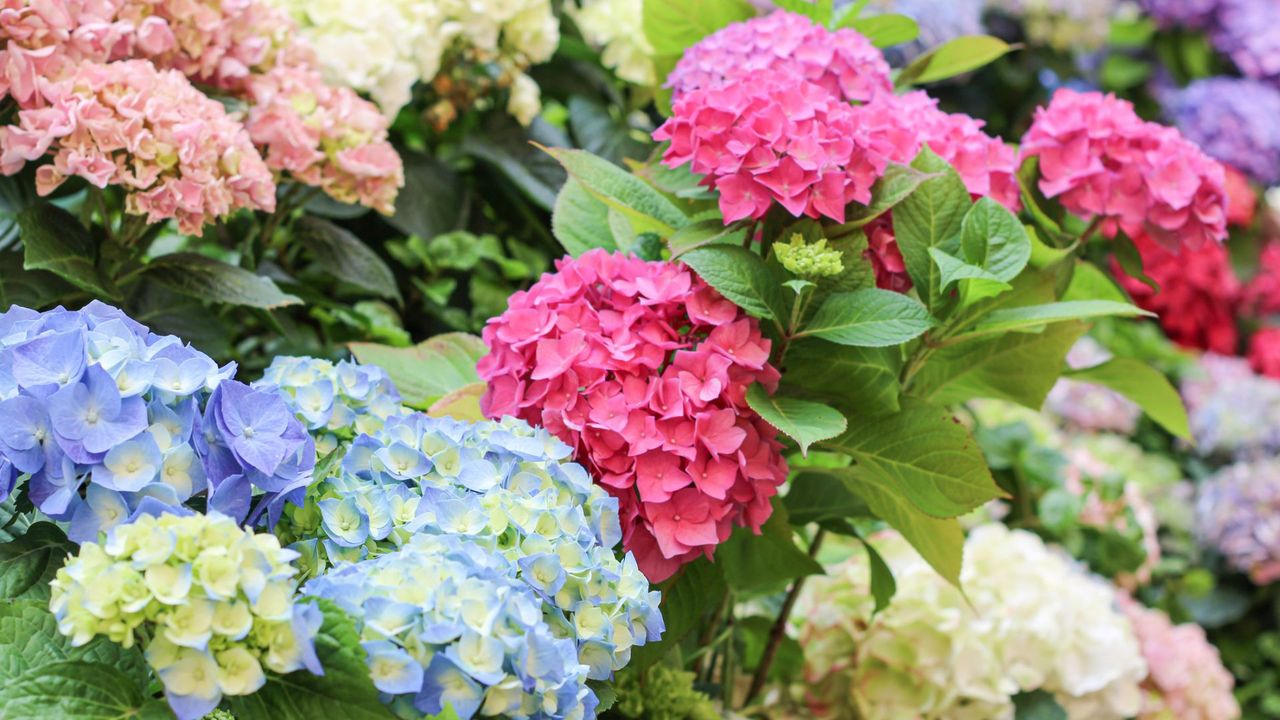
(643, 368)
(1199, 293)
(1262, 294)
(843, 62)
(1264, 352)
(776, 139)
(1242, 199)
(1101, 160)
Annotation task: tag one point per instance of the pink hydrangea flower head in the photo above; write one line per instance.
(1101, 160)
(987, 165)
(1264, 352)
(1262, 294)
(1185, 675)
(1198, 297)
(643, 368)
(776, 140)
(843, 62)
(175, 152)
(324, 136)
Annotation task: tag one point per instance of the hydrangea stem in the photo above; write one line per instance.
(779, 629)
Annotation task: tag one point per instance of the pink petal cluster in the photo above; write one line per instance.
(885, 256)
(1101, 160)
(643, 368)
(1262, 294)
(324, 136)
(1264, 352)
(776, 139)
(842, 62)
(243, 48)
(1185, 675)
(1198, 297)
(176, 152)
(986, 164)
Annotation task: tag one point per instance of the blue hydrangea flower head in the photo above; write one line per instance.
(503, 499)
(335, 401)
(98, 414)
(1233, 120)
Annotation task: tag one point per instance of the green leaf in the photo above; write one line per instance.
(739, 275)
(504, 144)
(54, 240)
(1147, 387)
(1019, 367)
(579, 221)
(204, 278)
(1088, 282)
(77, 690)
(883, 586)
(29, 288)
(429, 370)
(861, 380)
(803, 421)
(1037, 705)
(707, 232)
(600, 133)
(869, 318)
(461, 404)
(930, 217)
(1036, 316)
(956, 57)
(696, 592)
(811, 10)
(1043, 256)
(432, 200)
(885, 30)
(993, 239)
(343, 256)
(671, 26)
(29, 638)
(897, 182)
(344, 691)
(1130, 259)
(646, 208)
(756, 564)
(975, 283)
(30, 562)
(817, 496)
(925, 453)
(940, 541)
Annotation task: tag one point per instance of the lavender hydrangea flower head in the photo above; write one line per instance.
(1238, 514)
(1192, 14)
(98, 415)
(940, 21)
(1233, 411)
(1233, 120)
(335, 401)
(1248, 32)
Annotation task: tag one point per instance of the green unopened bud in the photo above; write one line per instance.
(805, 260)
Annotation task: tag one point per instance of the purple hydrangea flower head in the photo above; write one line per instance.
(1233, 411)
(1233, 120)
(98, 415)
(1238, 514)
(1248, 31)
(1193, 14)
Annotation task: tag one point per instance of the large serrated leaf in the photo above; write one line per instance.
(801, 420)
(28, 563)
(739, 275)
(765, 562)
(343, 256)
(429, 370)
(433, 199)
(77, 690)
(926, 453)
(1146, 386)
(646, 208)
(671, 26)
(203, 277)
(581, 222)
(29, 638)
(55, 241)
(855, 380)
(930, 217)
(869, 318)
(696, 592)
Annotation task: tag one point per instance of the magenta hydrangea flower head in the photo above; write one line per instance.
(776, 139)
(643, 369)
(176, 152)
(1101, 160)
(1185, 675)
(842, 62)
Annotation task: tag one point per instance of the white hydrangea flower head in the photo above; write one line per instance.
(1034, 621)
(615, 26)
(387, 47)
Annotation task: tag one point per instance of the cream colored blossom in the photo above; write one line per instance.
(617, 28)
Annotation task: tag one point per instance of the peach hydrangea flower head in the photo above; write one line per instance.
(1103, 161)
(842, 62)
(643, 369)
(176, 152)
